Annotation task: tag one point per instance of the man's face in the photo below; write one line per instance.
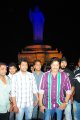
(37, 66)
(12, 70)
(23, 66)
(3, 70)
(63, 64)
(55, 66)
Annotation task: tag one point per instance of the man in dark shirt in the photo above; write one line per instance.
(64, 68)
(76, 97)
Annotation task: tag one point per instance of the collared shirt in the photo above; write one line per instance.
(10, 75)
(5, 95)
(64, 86)
(23, 88)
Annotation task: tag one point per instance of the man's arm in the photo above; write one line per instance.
(67, 98)
(13, 94)
(73, 92)
(37, 99)
(64, 104)
(67, 88)
(42, 107)
(14, 101)
(40, 99)
(41, 94)
(15, 108)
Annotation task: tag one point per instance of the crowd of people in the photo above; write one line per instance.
(36, 94)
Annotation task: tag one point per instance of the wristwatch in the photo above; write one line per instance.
(66, 102)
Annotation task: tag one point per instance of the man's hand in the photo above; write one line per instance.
(42, 108)
(11, 107)
(63, 106)
(35, 102)
(16, 109)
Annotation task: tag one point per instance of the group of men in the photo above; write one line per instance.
(39, 95)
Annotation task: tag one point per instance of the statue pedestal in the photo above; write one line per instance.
(42, 52)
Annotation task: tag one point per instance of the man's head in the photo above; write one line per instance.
(32, 68)
(63, 63)
(23, 64)
(37, 65)
(12, 68)
(55, 63)
(3, 69)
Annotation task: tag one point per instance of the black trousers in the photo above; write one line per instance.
(4, 116)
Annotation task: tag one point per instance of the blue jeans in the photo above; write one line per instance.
(36, 113)
(28, 113)
(76, 110)
(49, 113)
(11, 117)
(67, 111)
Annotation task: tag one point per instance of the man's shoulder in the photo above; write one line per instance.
(17, 73)
(46, 73)
(68, 70)
(63, 74)
(29, 74)
(7, 77)
(77, 71)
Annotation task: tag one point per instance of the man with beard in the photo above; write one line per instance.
(70, 74)
(23, 89)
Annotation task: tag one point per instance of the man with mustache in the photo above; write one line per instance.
(52, 87)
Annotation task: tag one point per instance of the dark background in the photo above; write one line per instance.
(62, 27)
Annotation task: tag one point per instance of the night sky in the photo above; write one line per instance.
(62, 28)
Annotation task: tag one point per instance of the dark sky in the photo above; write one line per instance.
(62, 27)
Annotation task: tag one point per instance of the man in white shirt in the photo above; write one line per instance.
(23, 89)
(12, 70)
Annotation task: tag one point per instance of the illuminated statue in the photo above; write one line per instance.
(37, 19)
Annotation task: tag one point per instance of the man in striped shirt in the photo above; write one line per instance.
(23, 88)
(52, 87)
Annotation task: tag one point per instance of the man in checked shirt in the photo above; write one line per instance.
(23, 88)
